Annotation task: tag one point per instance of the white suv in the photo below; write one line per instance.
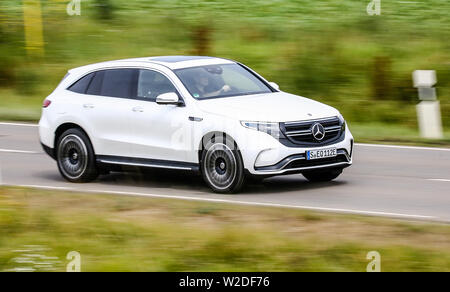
(210, 115)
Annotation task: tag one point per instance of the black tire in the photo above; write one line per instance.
(75, 157)
(222, 167)
(322, 175)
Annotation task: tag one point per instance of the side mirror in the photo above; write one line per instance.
(274, 85)
(168, 98)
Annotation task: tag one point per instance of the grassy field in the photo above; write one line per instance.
(378, 133)
(329, 50)
(120, 233)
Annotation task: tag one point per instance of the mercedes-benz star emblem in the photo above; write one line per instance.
(318, 131)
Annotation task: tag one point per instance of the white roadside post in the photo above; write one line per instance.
(428, 109)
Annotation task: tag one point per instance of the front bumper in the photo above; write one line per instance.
(298, 163)
(268, 157)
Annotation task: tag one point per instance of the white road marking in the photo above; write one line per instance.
(439, 179)
(19, 124)
(188, 198)
(402, 147)
(19, 151)
(338, 210)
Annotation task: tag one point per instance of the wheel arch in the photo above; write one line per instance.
(66, 126)
(240, 172)
(214, 135)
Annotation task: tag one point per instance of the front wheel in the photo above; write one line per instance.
(322, 175)
(75, 157)
(222, 168)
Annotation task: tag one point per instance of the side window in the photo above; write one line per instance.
(95, 87)
(118, 83)
(114, 83)
(81, 85)
(152, 83)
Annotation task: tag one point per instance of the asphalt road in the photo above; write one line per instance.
(394, 181)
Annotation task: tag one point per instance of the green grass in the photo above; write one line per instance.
(330, 50)
(15, 107)
(119, 233)
(394, 134)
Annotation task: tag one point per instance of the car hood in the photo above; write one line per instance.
(271, 107)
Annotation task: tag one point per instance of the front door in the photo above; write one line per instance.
(159, 132)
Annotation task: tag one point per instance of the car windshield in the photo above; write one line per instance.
(215, 81)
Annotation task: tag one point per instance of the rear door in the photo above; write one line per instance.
(107, 110)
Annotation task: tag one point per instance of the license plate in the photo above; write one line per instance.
(322, 153)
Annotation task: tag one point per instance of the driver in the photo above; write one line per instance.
(201, 83)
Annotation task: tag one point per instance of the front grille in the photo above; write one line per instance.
(300, 132)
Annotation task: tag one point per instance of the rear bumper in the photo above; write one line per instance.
(47, 135)
(48, 150)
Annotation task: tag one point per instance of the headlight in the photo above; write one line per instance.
(273, 129)
(343, 123)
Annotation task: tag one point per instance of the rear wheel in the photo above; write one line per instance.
(222, 167)
(322, 175)
(75, 157)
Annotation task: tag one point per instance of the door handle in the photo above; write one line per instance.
(88, 105)
(138, 109)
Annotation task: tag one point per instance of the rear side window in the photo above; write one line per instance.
(81, 85)
(118, 83)
(95, 88)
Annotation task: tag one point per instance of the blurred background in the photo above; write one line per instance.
(329, 50)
